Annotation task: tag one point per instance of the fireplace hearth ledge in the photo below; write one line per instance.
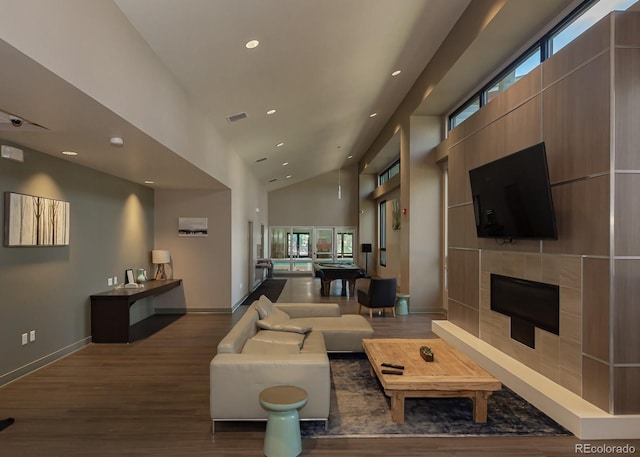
(585, 420)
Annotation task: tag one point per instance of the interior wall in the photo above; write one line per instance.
(393, 267)
(421, 248)
(367, 221)
(315, 202)
(625, 250)
(47, 289)
(195, 260)
(249, 202)
(568, 103)
(516, 121)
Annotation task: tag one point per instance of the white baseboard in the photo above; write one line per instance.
(583, 419)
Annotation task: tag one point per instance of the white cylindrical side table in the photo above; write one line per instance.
(282, 437)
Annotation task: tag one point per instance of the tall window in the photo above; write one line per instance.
(382, 222)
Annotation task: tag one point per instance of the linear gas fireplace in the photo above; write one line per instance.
(529, 304)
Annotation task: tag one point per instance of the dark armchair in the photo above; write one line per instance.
(381, 295)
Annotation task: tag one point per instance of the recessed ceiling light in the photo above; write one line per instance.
(349, 157)
(252, 44)
(288, 176)
(149, 182)
(70, 153)
(396, 73)
(271, 111)
(284, 164)
(261, 160)
(373, 114)
(279, 145)
(273, 180)
(116, 141)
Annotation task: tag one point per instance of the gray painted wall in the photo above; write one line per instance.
(201, 262)
(314, 202)
(47, 289)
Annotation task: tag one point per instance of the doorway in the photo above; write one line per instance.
(251, 276)
(294, 249)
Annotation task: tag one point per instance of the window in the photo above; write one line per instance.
(522, 67)
(389, 173)
(463, 113)
(576, 22)
(572, 29)
(298, 244)
(344, 248)
(382, 222)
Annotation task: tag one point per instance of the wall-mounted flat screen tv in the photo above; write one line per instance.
(512, 197)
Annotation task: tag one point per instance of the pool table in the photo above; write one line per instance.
(347, 272)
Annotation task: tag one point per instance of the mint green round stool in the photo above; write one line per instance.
(282, 438)
(402, 307)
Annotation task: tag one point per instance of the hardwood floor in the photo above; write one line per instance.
(151, 398)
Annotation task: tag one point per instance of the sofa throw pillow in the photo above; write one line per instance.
(262, 347)
(277, 316)
(291, 327)
(270, 336)
(264, 306)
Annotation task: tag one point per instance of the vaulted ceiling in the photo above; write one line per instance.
(325, 66)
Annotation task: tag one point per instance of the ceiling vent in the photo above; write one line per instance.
(236, 117)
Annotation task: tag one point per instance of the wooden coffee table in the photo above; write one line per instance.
(451, 374)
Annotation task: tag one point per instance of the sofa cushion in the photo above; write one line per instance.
(270, 336)
(341, 334)
(314, 343)
(285, 327)
(253, 346)
(264, 306)
(275, 317)
(279, 321)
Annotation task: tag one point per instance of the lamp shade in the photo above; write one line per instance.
(160, 256)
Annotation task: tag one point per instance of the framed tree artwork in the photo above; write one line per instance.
(35, 221)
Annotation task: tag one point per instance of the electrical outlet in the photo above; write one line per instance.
(109, 282)
(32, 336)
(25, 339)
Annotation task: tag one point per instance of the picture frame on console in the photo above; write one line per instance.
(129, 277)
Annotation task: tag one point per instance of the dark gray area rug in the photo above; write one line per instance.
(270, 288)
(359, 408)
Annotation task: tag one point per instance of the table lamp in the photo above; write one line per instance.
(160, 257)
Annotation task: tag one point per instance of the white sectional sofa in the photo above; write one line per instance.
(281, 344)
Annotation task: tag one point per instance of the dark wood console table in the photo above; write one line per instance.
(110, 309)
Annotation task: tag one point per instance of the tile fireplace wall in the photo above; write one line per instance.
(584, 104)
